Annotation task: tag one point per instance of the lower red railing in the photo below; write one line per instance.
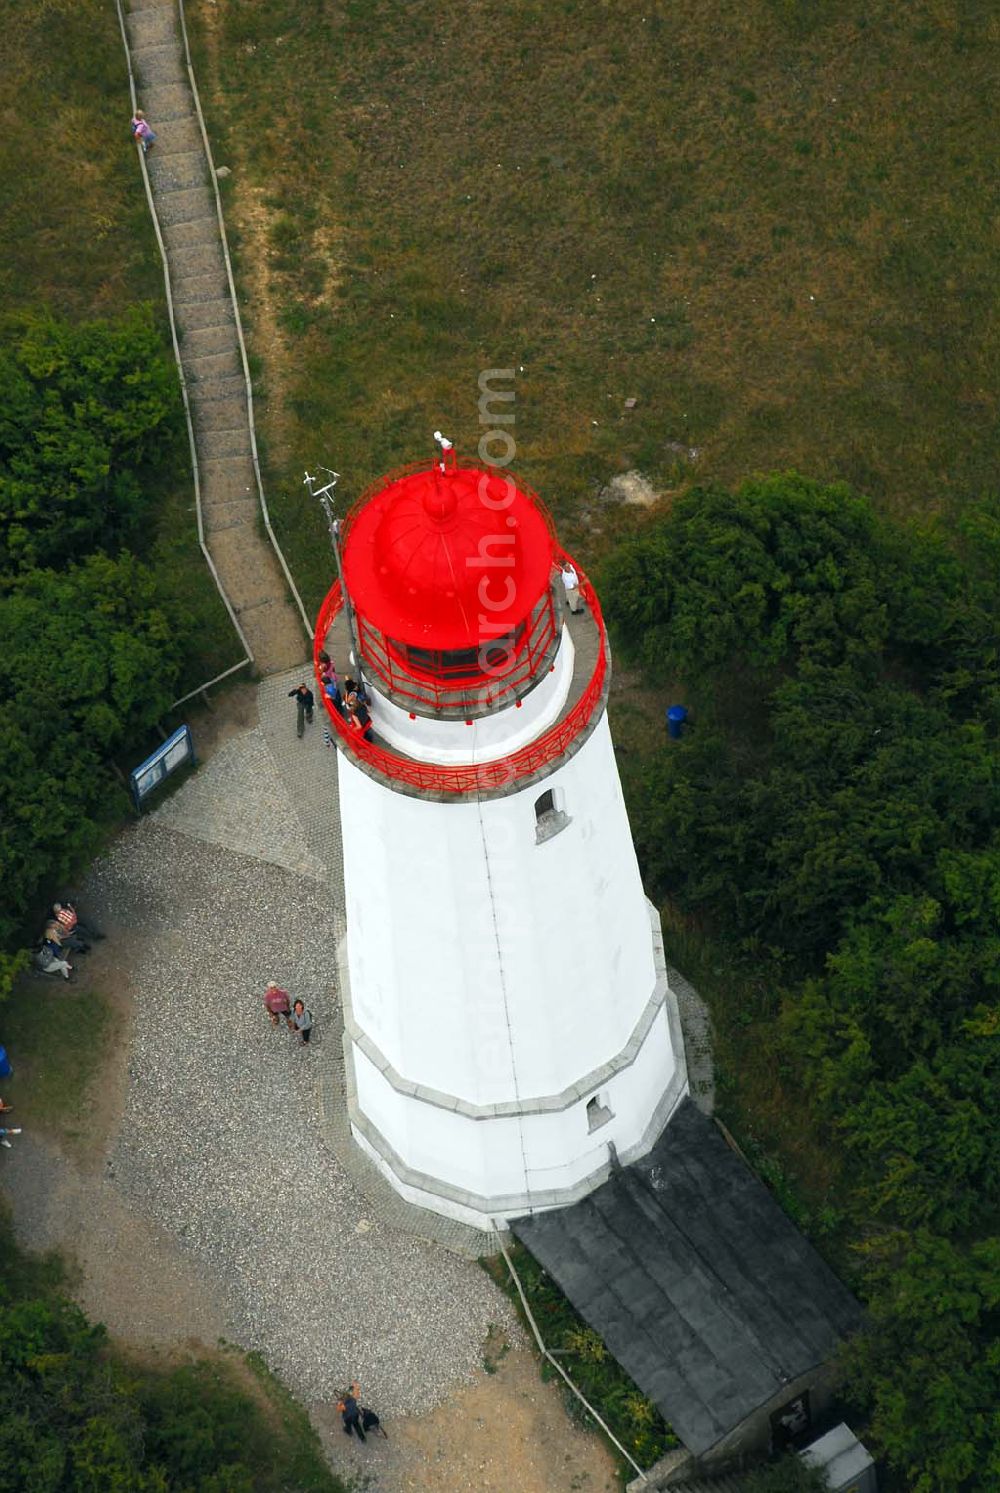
(482, 777)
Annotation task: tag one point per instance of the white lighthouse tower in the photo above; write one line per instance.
(509, 1028)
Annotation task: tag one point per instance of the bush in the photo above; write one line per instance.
(90, 662)
(635, 1420)
(85, 412)
(832, 823)
(74, 1418)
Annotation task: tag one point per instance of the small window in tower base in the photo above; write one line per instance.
(598, 1114)
(550, 814)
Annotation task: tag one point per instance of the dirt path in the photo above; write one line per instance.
(507, 1431)
(124, 1273)
(160, 1298)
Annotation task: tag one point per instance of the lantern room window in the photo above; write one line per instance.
(463, 665)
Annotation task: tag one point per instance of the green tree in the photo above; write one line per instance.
(788, 1475)
(930, 1363)
(75, 1419)
(784, 568)
(90, 662)
(832, 821)
(85, 414)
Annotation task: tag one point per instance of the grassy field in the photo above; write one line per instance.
(76, 238)
(767, 222)
(56, 1037)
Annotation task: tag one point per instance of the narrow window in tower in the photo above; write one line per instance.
(550, 814)
(598, 1114)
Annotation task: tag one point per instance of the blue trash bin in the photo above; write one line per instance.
(5, 1069)
(676, 716)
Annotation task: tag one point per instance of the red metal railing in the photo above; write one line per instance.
(461, 688)
(485, 777)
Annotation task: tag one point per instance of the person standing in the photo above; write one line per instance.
(350, 1412)
(142, 132)
(571, 581)
(304, 702)
(301, 1021)
(277, 1004)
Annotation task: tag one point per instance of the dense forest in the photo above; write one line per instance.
(96, 636)
(98, 632)
(829, 831)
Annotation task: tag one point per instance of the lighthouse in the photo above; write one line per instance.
(509, 1031)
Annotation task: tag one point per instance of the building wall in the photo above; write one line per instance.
(496, 981)
(479, 1170)
(483, 963)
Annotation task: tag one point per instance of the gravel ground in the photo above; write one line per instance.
(220, 1141)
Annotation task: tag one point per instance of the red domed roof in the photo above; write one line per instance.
(447, 560)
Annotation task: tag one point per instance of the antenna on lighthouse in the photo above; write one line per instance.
(325, 495)
(447, 460)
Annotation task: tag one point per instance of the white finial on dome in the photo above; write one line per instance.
(447, 457)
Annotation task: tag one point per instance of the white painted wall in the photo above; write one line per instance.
(523, 1155)
(484, 964)
(490, 736)
(494, 969)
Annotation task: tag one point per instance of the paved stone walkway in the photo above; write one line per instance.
(696, 1025)
(184, 199)
(273, 797)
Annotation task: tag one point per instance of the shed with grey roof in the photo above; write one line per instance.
(703, 1289)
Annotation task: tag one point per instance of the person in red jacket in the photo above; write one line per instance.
(276, 1003)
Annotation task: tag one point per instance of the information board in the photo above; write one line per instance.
(175, 752)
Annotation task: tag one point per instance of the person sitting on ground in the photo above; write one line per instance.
(66, 914)
(63, 937)
(301, 1021)
(51, 961)
(276, 1003)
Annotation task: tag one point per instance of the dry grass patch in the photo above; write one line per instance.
(769, 224)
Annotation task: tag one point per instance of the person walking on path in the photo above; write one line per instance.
(142, 132)
(301, 1021)
(350, 1412)
(304, 701)
(5, 1142)
(277, 1004)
